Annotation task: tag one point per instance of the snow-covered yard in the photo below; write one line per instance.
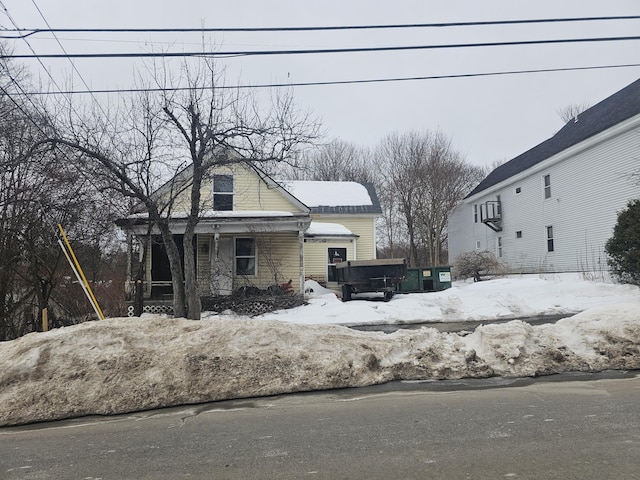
(127, 364)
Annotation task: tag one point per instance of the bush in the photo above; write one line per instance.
(477, 264)
(623, 247)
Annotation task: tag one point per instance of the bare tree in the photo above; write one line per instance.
(178, 136)
(218, 127)
(427, 178)
(38, 189)
(570, 112)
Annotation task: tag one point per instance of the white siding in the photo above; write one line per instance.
(588, 189)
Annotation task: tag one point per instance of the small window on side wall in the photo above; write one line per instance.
(519, 234)
(518, 190)
(550, 245)
(547, 186)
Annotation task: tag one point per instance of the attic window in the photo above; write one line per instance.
(223, 192)
(518, 190)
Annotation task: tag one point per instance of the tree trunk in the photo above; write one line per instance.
(194, 306)
(177, 278)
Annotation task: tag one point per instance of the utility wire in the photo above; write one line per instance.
(240, 53)
(27, 114)
(339, 82)
(33, 31)
(73, 65)
(6, 11)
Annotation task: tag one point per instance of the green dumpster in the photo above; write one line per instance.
(412, 281)
(426, 279)
(442, 277)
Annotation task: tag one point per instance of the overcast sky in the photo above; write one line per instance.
(488, 118)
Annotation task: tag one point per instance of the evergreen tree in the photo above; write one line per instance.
(623, 247)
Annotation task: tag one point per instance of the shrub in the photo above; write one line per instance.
(623, 248)
(477, 264)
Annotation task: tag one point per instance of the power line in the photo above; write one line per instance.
(341, 82)
(241, 53)
(33, 31)
(73, 65)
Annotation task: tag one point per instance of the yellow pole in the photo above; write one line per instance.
(84, 279)
(45, 319)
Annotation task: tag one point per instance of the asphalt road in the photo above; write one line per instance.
(562, 427)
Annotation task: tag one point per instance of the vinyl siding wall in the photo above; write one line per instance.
(278, 258)
(361, 225)
(250, 192)
(316, 250)
(316, 258)
(588, 189)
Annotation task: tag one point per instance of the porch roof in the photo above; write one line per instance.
(229, 222)
(325, 229)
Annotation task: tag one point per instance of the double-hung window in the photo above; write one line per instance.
(547, 186)
(245, 256)
(223, 192)
(549, 238)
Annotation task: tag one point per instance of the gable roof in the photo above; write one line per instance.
(335, 197)
(609, 112)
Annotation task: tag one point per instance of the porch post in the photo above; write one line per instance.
(215, 270)
(301, 242)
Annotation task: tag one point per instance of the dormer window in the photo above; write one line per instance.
(223, 192)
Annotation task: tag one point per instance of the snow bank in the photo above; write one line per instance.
(125, 364)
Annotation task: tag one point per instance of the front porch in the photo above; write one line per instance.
(231, 251)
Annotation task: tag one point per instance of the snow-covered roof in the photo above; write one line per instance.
(333, 194)
(335, 197)
(319, 229)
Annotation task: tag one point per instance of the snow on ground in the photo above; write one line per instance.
(128, 364)
(503, 298)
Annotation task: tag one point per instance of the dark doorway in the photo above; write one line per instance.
(160, 270)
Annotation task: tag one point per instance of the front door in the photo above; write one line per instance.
(222, 268)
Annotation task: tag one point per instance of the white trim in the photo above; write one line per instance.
(590, 142)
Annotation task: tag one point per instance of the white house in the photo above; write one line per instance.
(552, 208)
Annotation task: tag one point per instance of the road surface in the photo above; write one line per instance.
(563, 427)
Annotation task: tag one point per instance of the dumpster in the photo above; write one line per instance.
(361, 276)
(442, 278)
(426, 279)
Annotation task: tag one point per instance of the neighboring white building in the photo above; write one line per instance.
(552, 208)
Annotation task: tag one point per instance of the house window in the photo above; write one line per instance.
(549, 238)
(475, 214)
(518, 190)
(519, 234)
(547, 186)
(223, 192)
(477, 244)
(499, 246)
(245, 257)
(335, 256)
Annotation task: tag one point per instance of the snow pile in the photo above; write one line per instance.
(128, 364)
